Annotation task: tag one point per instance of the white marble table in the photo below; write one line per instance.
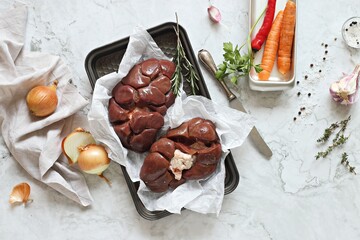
(292, 196)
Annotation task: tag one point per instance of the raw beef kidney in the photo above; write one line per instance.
(139, 103)
(189, 152)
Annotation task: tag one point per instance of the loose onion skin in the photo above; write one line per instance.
(42, 100)
(93, 159)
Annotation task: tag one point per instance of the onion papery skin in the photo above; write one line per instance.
(42, 100)
(93, 159)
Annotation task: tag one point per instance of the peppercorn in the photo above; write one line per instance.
(335, 39)
(298, 93)
(309, 94)
(322, 44)
(299, 113)
(324, 58)
(306, 76)
(297, 82)
(346, 29)
(326, 45)
(326, 52)
(320, 71)
(311, 65)
(294, 118)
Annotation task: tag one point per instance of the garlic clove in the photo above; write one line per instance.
(214, 14)
(20, 193)
(345, 90)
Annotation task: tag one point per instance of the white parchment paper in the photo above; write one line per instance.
(203, 196)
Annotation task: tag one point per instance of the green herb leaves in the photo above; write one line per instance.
(338, 140)
(235, 65)
(345, 162)
(182, 63)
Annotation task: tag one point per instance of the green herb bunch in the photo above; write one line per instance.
(182, 63)
(235, 64)
(338, 140)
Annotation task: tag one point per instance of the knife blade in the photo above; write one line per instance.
(207, 60)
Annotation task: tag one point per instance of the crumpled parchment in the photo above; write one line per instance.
(204, 196)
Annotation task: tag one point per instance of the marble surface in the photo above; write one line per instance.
(290, 196)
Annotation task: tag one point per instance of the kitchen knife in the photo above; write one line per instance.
(206, 58)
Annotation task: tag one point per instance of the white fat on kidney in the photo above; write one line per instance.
(180, 162)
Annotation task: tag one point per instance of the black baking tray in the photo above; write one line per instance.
(106, 59)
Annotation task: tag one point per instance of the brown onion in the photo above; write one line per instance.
(42, 100)
(93, 159)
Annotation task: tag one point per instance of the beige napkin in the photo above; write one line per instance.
(36, 142)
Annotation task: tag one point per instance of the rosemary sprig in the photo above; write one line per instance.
(338, 140)
(181, 63)
(345, 162)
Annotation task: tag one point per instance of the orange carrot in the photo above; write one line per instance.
(271, 48)
(286, 38)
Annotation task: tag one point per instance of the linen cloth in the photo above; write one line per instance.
(35, 143)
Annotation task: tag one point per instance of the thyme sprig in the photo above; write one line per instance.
(338, 140)
(182, 63)
(345, 162)
(328, 131)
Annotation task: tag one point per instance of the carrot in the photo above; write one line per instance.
(286, 38)
(271, 48)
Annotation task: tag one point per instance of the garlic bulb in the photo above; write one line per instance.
(345, 90)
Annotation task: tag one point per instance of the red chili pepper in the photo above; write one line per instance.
(261, 36)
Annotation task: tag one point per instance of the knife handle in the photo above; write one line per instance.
(206, 58)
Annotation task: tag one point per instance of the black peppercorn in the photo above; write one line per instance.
(299, 113)
(311, 65)
(297, 82)
(320, 71)
(309, 94)
(298, 93)
(326, 52)
(306, 76)
(326, 45)
(346, 29)
(335, 39)
(324, 58)
(294, 118)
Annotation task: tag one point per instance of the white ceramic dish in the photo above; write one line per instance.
(277, 81)
(351, 32)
